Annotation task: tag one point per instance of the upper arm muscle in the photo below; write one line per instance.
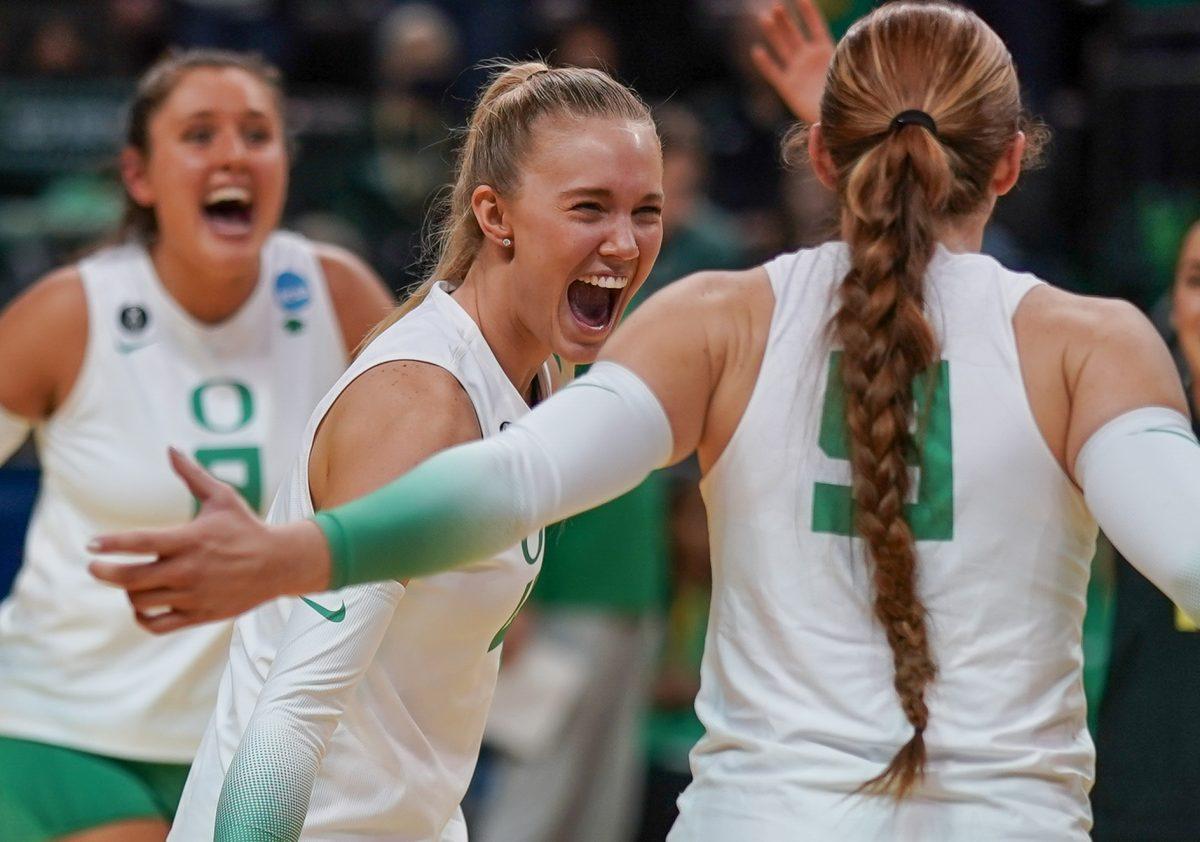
(387, 421)
(43, 336)
(1086, 361)
(698, 345)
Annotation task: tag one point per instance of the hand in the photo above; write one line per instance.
(224, 562)
(796, 63)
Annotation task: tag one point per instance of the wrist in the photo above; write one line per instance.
(302, 557)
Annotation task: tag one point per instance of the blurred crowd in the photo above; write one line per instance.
(377, 89)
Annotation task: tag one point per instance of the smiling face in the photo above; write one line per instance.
(586, 224)
(215, 171)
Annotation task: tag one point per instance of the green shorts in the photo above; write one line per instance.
(47, 791)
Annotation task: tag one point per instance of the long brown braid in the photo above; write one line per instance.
(898, 184)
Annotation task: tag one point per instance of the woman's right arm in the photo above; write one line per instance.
(43, 336)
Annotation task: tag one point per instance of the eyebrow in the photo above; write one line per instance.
(208, 112)
(603, 193)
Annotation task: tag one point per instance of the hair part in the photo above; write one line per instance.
(154, 88)
(897, 186)
(496, 143)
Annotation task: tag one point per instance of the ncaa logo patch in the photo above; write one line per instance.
(133, 318)
(291, 292)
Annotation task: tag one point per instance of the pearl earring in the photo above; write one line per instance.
(507, 242)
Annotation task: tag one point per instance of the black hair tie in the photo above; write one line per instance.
(915, 117)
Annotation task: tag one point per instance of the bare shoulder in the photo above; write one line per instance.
(359, 297)
(1084, 320)
(386, 421)
(43, 335)
(1095, 357)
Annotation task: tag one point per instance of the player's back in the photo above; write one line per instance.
(797, 693)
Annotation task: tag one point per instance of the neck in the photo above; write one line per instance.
(206, 293)
(483, 294)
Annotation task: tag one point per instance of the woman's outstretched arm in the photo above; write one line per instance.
(643, 407)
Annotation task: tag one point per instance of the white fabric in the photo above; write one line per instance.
(13, 431)
(75, 668)
(395, 697)
(796, 693)
(1140, 475)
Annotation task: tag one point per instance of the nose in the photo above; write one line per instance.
(230, 149)
(620, 242)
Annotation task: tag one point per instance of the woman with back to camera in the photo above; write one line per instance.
(205, 328)
(906, 449)
(360, 712)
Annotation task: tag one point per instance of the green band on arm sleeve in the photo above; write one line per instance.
(458, 507)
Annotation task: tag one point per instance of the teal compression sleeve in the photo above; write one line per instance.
(595, 440)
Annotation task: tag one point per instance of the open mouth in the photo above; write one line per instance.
(229, 211)
(593, 299)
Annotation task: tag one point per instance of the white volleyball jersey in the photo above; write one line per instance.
(387, 687)
(796, 691)
(75, 669)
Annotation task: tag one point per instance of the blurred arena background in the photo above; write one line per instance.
(376, 89)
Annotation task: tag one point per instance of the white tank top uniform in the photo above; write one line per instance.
(359, 713)
(75, 669)
(796, 692)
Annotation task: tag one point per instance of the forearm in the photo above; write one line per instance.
(322, 657)
(597, 439)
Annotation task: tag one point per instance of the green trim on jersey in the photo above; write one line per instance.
(49, 791)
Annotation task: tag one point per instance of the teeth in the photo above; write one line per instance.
(228, 194)
(606, 281)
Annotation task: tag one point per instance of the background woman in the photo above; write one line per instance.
(204, 328)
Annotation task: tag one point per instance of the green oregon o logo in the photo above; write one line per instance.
(222, 405)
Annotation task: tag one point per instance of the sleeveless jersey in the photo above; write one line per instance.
(403, 750)
(75, 669)
(796, 691)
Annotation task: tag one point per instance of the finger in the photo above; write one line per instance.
(199, 482)
(144, 602)
(766, 64)
(133, 577)
(158, 542)
(814, 21)
(168, 622)
(775, 38)
(785, 25)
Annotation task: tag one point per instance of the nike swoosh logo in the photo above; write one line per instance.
(331, 616)
(130, 347)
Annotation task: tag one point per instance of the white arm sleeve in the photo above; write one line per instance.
(596, 439)
(328, 643)
(13, 431)
(1140, 475)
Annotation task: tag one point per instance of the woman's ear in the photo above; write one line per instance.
(491, 214)
(1008, 168)
(819, 158)
(133, 174)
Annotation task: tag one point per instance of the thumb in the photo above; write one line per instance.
(199, 482)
